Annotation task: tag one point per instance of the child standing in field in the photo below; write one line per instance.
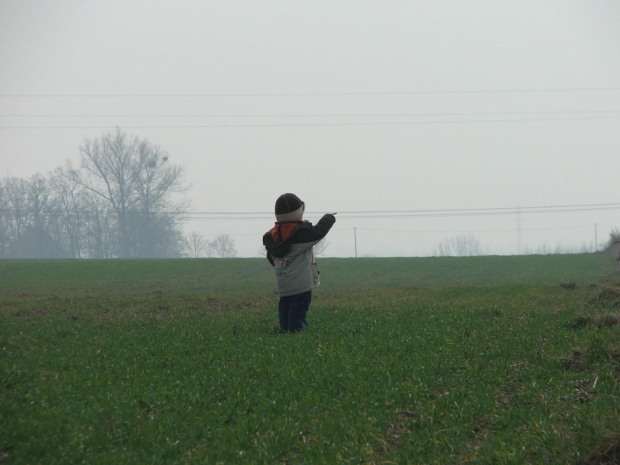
(290, 251)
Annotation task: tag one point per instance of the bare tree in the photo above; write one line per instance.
(196, 245)
(320, 247)
(16, 204)
(38, 195)
(157, 213)
(70, 202)
(223, 246)
(30, 219)
(101, 230)
(117, 204)
(613, 248)
(464, 245)
(4, 221)
(136, 179)
(111, 166)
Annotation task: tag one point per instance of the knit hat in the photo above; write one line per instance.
(289, 207)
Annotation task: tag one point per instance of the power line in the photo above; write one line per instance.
(324, 115)
(313, 94)
(409, 231)
(398, 123)
(396, 214)
(371, 214)
(490, 208)
(444, 215)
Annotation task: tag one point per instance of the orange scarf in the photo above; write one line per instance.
(283, 230)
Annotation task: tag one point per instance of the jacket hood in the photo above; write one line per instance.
(283, 230)
(276, 240)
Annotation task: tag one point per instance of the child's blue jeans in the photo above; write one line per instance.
(293, 310)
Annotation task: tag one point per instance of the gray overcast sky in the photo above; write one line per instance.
(353, 105)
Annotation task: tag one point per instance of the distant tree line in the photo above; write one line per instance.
(613, 248)
(223, 246)
(117, 204)
(464, 245)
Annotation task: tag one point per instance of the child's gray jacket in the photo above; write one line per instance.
(290, 251)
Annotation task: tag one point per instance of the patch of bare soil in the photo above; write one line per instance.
(397, 428)
(601, 320)
(606, 453)
(37, 312)
(609, 295)
(579, 360)
(393, 434)
(568, 285)
(481, 429)
(585, 390)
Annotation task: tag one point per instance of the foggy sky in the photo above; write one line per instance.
(352, 105)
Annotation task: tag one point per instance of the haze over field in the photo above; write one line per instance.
(389, 113)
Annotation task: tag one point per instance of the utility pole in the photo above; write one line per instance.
(595, 238)
(518, 230)
(355, 239)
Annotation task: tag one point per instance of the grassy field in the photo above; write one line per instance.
(408, 360)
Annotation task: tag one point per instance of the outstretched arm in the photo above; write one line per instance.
(319, 231)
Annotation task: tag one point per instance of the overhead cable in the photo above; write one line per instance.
(318, 115)
(315, 94)
(393, 123)
(373, 214)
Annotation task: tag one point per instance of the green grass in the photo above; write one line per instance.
(438, 360)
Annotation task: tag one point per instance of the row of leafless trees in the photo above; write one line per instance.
(196, 245)
(613, 248)
(464, 245)
(467, 245)
(117, 204)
